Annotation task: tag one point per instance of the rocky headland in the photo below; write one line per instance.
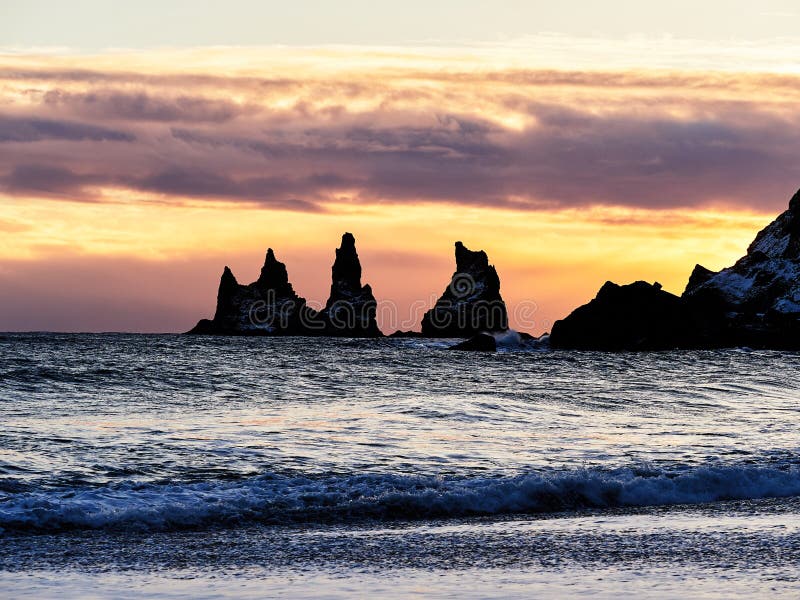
(753, 303)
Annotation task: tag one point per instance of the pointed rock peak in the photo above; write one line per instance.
(347, 268)
(471, 302)
(226, 293)
(698, 277)
(469, 260)
(228, 277)
(273, 273)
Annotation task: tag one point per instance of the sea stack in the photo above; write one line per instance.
(268, 306)
(350, 309)
(471, 303)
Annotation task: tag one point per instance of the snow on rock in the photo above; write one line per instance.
(757, 300)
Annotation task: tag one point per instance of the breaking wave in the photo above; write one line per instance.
(285, 500)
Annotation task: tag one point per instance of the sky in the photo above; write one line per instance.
(144, 146)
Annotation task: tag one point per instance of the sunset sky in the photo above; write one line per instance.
(143, 146)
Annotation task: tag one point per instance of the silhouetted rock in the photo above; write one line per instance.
(637, 316)
(350, 309)
(699, 276)
(482, 342)
(755, 302)
(406, 334)
(471, 303)
(268, 306)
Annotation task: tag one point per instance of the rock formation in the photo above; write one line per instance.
(755, 303)
(350, 309)
(637, 316)
(270, 306)
(406, 334)
(471, 303)
(481, 342)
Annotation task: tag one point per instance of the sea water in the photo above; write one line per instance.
(185, 467)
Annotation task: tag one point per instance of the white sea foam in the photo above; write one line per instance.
(275, 499)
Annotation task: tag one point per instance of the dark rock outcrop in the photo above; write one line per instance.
(406, 334)
(270, 306)
(471, 303)
(350, 309)
(699, 276)
(482, 342)
(755, 302)
(637, 316)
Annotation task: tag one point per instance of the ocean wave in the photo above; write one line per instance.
(278, 499)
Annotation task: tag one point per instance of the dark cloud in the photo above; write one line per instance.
(277, 192)
(301, 155)
(141, 106)
(24, 129)
(45, 180)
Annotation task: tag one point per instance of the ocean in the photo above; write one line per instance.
(167, 466)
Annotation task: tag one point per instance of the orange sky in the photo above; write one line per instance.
(128, 180)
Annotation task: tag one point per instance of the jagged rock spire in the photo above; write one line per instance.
(471, 303)
(270, 306)
(468, 260)
(274, 276)
(273, 273)
(350, 309)
(226, 293)
(345, 272)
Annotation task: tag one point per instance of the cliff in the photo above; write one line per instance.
(754, 303)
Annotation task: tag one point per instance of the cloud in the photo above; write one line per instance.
(141, 106)
(275, 191)
(32, 129)
(522, 139)
(38, 179)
